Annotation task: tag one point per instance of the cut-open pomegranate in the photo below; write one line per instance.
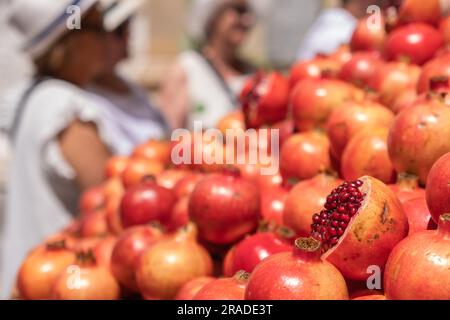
(360, 224)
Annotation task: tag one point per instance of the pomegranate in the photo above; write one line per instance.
(233, 122)
(264, 99)
(252, 250)
(153, 150)
(92, 199)
(360, 69)
(434, 69)
(392, 79)
(418, 267)
(179, 216)
(112, 207)
(285, 128)
(191, 288)
(418, 215)
(103, 250)
(368, 37)
(420, 11)
(420, 135)
(306, 198)
(94, 224)
(297, 275)
(313, 100)
(127, 251)
(169, 178)
(41, 268)
(344, 123)
(268, 182)
(115, 166)
(314, 68)
(272, 204)
(145, 203)
(342, 54)
(139, 169)
(86, 280)
(225, 288)
(304, 155)
(404, 100)
(225, 207)
(417, 42)
(407, 188)
(186, 185)
(371, 160)
(438, 187)
(169, 264)
(360, 224)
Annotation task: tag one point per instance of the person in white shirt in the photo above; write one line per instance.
(203, 85)
(62, 132)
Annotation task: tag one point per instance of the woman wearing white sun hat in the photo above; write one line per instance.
(62, 134)
(203, 84)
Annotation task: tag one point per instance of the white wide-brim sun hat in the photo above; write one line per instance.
(116, 12)
(43, 22)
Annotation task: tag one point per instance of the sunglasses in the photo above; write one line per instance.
(240, 9)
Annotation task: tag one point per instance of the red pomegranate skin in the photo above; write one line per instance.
(438, 67)
(223, 289)
(361, 68)
(305, 155)
(225, 207)
(252, 250)
(313, 68)
(145, 203)
(191, 288)
(264, 99)
(392, 79)
(366, 38)
(419, 136)
(372, 233)
(129, 247)
(419, 266)
(296, 275)
(346, 122)
(420, 11)
(306, 198)
(407, 188)
(272, 204)
(179, 216)
(438, 187)
(313, 100)
(417, 42)
(444, 27)
(419, 218)
(186, 184)
(367, 154)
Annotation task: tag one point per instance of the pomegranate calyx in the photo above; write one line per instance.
(308, 248)
(86, 257)
(56, 245)
(407, 181)
(444, 224)
(242, 276)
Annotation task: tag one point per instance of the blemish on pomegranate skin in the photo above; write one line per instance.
(385, 213)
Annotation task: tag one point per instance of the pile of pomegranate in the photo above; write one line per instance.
(362, 189)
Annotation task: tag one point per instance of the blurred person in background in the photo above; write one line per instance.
(138, 117)
(203, 85)
(334, 27)
(62, 132)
